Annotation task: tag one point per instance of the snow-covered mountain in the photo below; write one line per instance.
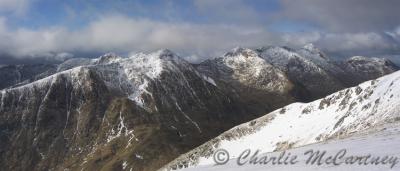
(287, 75)
(112, 112)
(261, 86)
(348, 111)
(364, 68)
(118, 113)
(307, 68)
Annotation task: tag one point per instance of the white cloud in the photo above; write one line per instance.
(123, 35)
(18, 7)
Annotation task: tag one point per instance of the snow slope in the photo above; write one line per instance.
(348, 111)
(378, 142)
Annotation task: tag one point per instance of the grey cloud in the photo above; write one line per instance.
(123, 34)
(355, 41)
(344, 15)
(348, 44)
(196, 42)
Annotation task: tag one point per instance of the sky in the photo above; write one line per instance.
(52, 30)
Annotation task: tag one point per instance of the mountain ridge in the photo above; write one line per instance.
(113, 111)
(351, 110)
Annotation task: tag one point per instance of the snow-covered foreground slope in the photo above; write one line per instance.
(379, 142)
(340, 114)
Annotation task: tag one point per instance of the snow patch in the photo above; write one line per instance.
(209, 80)
(124, 164)
(121, 130)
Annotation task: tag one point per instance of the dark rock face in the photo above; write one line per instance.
(76, 120)
(46, 121)
(312, 80)
(116, 113)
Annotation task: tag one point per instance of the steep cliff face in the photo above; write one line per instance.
(42, 118)
(138, 112)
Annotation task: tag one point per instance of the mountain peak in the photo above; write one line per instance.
(312, 50)
(310, 47)
(237, 48)
(233, 51)
(108, 58)
(165, 52)
(239, 51)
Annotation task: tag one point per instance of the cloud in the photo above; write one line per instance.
(343, 15)
(17, 7)
(347, 44)
(124, 34)
(194, 41)
(120, 33)
(363, 43)
(340, 42)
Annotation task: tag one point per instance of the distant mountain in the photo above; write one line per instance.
(366, 106)
(271, 77)
(309, 70)
(13, 75)
(143, 111)
(364, 68)
(251, 79)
